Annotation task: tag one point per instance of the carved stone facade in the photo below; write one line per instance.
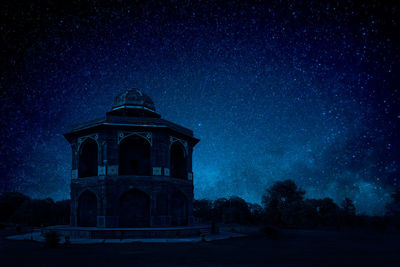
(131, 168)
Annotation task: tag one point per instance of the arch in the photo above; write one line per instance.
(162, 204)
(178, 166)
(179, 209)
(134, 209)
(87, 209)
(134, 156)
(88, 154)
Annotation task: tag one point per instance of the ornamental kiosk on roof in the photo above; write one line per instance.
(131, 168)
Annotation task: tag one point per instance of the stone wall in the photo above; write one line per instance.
(109, 189)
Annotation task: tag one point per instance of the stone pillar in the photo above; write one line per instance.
(112, 154)
(153, 207)
(73, 210)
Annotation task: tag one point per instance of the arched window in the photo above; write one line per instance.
(88, 153)
(87, 209)
(134, 209)
(178, 161)
(179, 209)
(134, 156)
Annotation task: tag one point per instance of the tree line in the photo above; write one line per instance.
(283, 205)
(20, 209)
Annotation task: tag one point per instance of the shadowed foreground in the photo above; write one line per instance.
(293, 248)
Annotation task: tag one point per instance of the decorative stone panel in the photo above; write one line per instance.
(146, 135)
(156, 170)
(101, 170)
(83, 138)
(74, 174)
(183, 142)
(166, 171)
(112, 170)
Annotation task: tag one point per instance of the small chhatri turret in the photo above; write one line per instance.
(133, 102)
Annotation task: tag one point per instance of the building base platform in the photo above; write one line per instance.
(128, 233)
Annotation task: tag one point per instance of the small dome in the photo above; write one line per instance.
(133, 99)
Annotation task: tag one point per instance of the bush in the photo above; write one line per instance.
(36, 212)
(9, 203)
(214, 228)
(62, 212)
(52, 239)
(67, 240)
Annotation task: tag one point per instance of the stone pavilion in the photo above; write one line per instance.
(131, 168)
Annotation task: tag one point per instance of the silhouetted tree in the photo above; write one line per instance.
(348, 207)
(203, 209)
(256, 212)
(328, 212)
(232, 210)
(348, 212)
(9, 204)
(236, 211)
(393, 208)
(219, 206)
(18, 208)
(283, 204)
(310, 213)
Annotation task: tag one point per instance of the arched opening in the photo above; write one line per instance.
(88, 153)
(179, 209)
(87, 209)
(162, 205)
(134, 156)
(134, 209)
(178, 161)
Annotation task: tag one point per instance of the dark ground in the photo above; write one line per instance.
(293, 248)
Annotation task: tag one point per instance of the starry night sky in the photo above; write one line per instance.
(275, 91)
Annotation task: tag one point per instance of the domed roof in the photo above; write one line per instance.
(133, 99)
